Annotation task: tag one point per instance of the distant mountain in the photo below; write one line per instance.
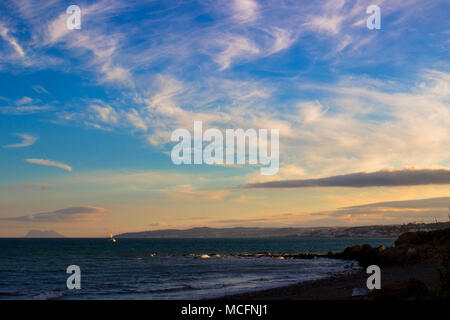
(377, 231)
(205, 232)
(43, 234)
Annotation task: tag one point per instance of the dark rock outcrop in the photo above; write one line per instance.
(410, 247)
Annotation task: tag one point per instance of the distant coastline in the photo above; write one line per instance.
(375, 231)
(43, 234)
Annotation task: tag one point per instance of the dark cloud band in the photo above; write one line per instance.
(391, 178)
(66, 214)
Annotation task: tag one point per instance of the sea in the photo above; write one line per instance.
(163, 268)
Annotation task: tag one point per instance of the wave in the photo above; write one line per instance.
(49, 296)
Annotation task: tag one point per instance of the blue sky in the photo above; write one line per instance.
(102, 101)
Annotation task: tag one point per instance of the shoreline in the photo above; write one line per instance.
(341, 286)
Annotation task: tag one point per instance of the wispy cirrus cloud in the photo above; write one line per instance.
(270, 27)
(235, 47)
(245, 10)
(136, 120)
(40, 89)
(267, 27)
(97, 48)
(23, 106)
(105, 113)
(70, 214)
(24, 100)
(50, 163)
(5, 35)
(27, 140)
(29, 109)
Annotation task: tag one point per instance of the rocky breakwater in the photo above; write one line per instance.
(410, 248)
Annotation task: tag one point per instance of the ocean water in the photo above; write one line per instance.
(161, 268)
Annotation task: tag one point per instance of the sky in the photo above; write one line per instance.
(86, 115)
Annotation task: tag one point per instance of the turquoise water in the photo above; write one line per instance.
(160, 268)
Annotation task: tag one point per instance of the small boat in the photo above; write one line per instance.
(111, 238)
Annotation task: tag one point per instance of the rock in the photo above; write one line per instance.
(405, 239)
(436, 237)
(410, 247)
(364, 254)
